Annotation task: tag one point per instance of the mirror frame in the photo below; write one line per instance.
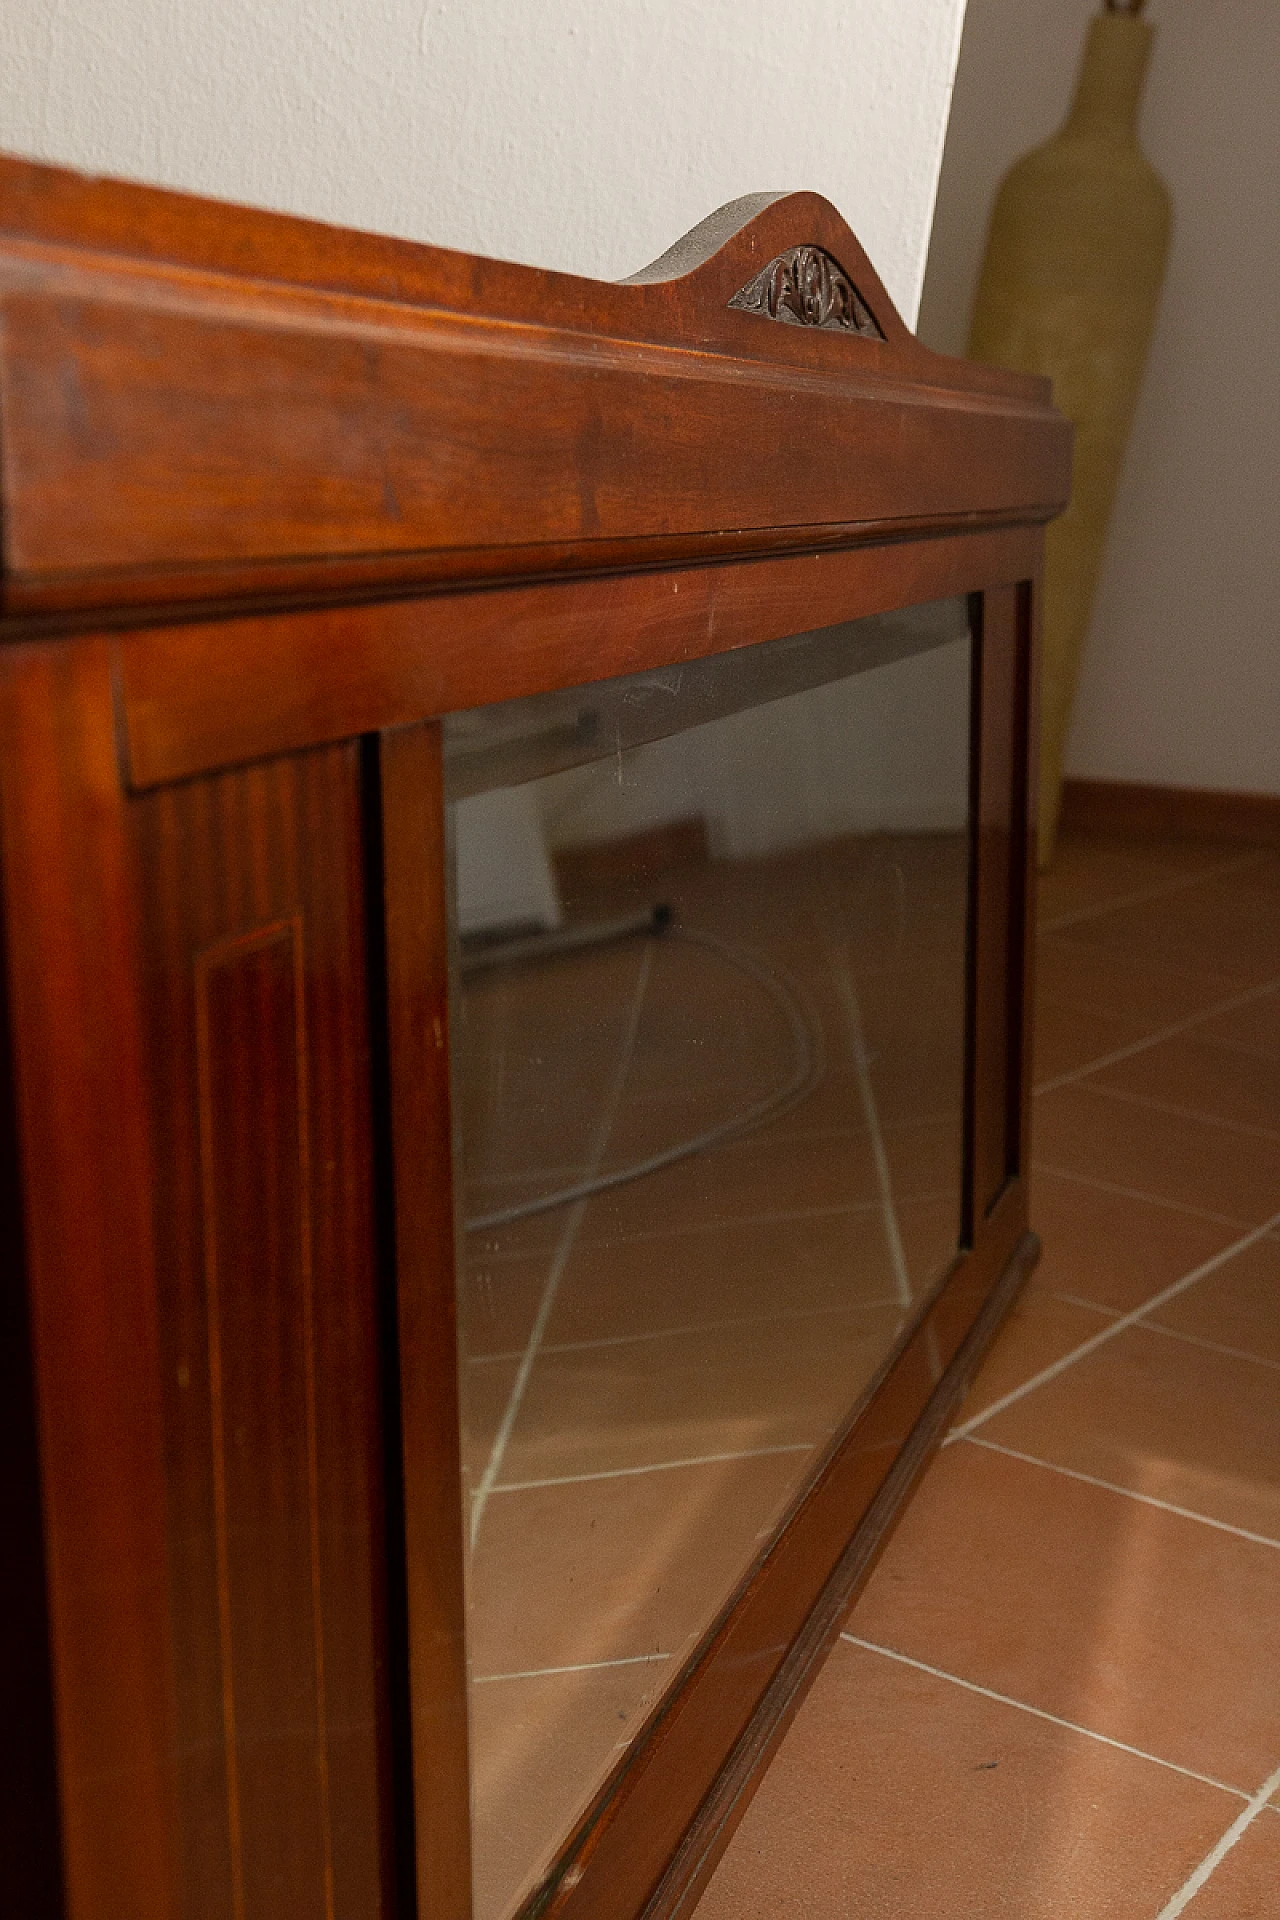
(273, 491)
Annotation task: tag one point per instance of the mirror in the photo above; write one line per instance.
(708, 1013)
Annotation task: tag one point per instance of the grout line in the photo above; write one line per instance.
(1214, 1858)
(1185, 1113)
(848, 993)
(700, 1326)
(1078, 1300)
(653, 1466)
(930, 1117)
(1170, 1032)
(845, 1208)
(534, 1176)
(543, 1176)
(1129, 1493)
(1210, 1346)
(1109, 1332)
(1072, 1726)
(781, 1218)
(583, 1666)
(1175, 883)
(1137, 1193)
(1158, 1326)
(564, 1247)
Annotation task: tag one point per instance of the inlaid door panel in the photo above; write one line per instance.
(253, 919)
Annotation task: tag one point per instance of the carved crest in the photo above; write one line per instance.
(805, 287)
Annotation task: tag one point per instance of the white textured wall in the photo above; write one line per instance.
(578, 134)
(1181, 680)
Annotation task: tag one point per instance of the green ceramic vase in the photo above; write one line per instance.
(1069, 286)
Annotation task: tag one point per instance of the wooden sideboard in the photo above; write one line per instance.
(276, 499)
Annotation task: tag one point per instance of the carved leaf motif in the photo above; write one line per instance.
(805, 287)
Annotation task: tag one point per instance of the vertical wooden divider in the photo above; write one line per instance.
(1027, 793)
(86, 1174)
(999, 895)
(415, 922)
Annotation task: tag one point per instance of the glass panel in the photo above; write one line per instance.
(709, 1046)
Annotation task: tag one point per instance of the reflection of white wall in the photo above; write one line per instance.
(884, 751)
(504, 873)
(887, 751)
(647, 786)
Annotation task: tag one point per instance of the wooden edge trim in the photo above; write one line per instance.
(219, 693)
(1143, 812)
(40, 605)
(710, 1834)
(30, 1815)
(81, 1094)
(430, 1554)
(1031, 601)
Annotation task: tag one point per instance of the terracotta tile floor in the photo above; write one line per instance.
(1059, 1697)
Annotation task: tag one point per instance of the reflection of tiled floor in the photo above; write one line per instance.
(1059, 1697)
(649, 1371)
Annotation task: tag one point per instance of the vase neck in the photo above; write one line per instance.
(1109, 90)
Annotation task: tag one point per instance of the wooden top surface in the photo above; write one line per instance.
(205, 405)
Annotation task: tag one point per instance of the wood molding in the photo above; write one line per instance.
(219, 692)
(1162, 813)
(270, 408)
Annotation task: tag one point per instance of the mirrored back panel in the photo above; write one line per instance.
(709, 998)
